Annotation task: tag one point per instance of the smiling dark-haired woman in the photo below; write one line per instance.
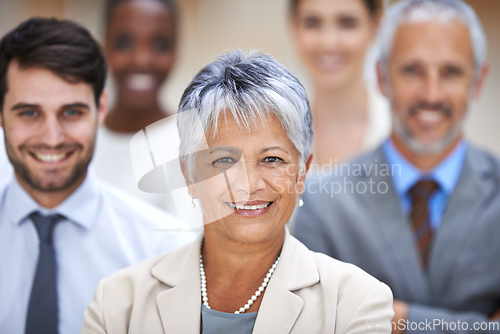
(141, 38)
(245, 133)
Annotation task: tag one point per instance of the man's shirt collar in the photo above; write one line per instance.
(81, 207)
(446, 174)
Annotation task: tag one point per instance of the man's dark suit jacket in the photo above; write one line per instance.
(368, 228)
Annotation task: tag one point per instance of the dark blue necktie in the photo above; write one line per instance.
(43, 311)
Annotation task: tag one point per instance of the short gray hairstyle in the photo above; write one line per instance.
(249, 86)
(443, 11)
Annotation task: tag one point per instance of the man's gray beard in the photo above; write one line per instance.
(414, 145)
(417, 147)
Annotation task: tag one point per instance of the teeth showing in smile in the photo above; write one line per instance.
(141, 81)
(50, 157)
(329, 62)
(249, 207)
(429, 116)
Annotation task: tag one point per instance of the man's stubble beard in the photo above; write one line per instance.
(23, 172)
(413, 144)
(417, 147)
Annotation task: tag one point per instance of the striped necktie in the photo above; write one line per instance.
(423, 232)
(43, 311)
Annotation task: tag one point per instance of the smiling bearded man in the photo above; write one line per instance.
(61, 231)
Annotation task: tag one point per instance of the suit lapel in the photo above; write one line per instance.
(180, 306)
(280, 307)
(474, 190)
(394, 228)
(278, 312)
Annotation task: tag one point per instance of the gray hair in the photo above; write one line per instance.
(442, 11)
(249, 86)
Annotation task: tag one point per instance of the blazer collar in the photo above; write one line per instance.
(180, 265)
(296, 270)
(180, 306)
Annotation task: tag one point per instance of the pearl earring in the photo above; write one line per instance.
(301, 202)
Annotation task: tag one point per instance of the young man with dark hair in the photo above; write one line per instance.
(61, 231)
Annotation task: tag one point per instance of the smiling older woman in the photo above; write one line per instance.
(245, 128)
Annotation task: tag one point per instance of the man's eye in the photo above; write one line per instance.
(411, 70)
(28, 113)
(72, 113)
(452, 72)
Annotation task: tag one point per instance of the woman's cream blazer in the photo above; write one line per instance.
(308, 293)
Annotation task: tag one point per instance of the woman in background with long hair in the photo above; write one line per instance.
(332, 38)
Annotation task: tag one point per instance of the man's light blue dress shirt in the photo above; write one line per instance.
(105, 231)
(5, 166)
(446, 174)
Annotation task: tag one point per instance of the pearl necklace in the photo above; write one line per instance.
(250, 301)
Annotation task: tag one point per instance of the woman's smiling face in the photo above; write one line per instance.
(140, 48)
(332, 37)
(248, 183)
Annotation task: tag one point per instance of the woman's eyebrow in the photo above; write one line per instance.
(229, 149)
(274, 148)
